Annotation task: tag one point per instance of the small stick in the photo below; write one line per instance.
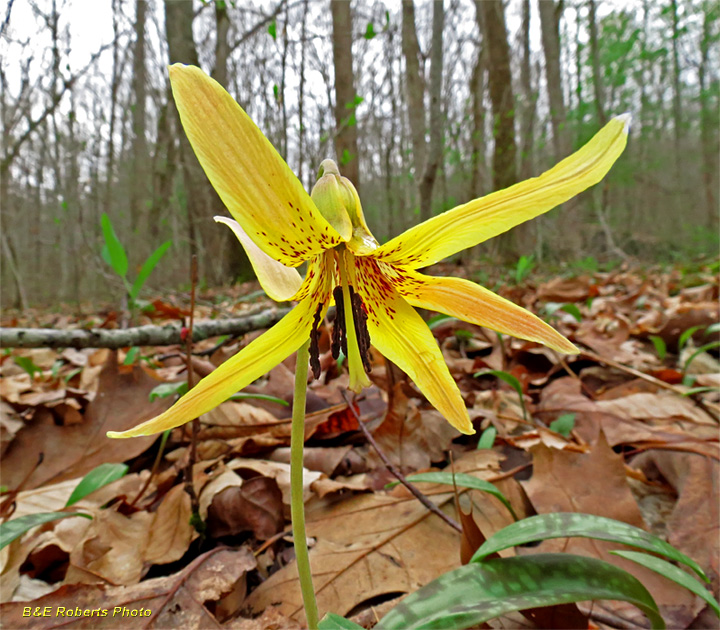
(189, 488)
(394, 470)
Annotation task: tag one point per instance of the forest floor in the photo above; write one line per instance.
(627, 429)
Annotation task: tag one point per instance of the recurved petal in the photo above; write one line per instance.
(400, 334)
(475, 304)
(481, 219)
(280, 283)
(253, 181)
(257, 358)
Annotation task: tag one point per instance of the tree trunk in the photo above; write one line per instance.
(709, 116)
(346, 138)
(677, 104)
(435, 148)
(415, 89)
(597, 72)
(568, 222)
(491, 19)
(527, 125)
(139, 184)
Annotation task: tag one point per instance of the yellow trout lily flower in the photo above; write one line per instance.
(375, 287)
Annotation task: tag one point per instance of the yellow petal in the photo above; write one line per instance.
(399, 333)
(253, 181)
(475, 304)
(481, 219)
(280, 283)
(257, 358)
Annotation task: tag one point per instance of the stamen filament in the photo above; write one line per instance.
(358, 378)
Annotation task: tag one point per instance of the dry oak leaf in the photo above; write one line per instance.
(176, 601)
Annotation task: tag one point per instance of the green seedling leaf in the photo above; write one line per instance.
(462, 480)
(571, 309)
(698, 390)
(564, 424)
(244, 396)
(12, 530)
(57, 364)
(131, 355)
(147, 268)
(369, 31)
(114, 252)
(487, 439)
(27, 364)
(168, 389)
(96, 478)
(567, 524)
(660, 346)
(510, 380)
(686, 335)
(699, 351)
(440, 318)
(523, 268)
(671, 572)
(72, 373)
(331, 621)
(712, 329)
(475, 593)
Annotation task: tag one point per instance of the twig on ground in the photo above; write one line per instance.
(394, 470)
(192, 458)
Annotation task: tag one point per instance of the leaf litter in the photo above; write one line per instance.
(627, 429)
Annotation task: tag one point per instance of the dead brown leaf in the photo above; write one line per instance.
(176, 601)
(71, 451)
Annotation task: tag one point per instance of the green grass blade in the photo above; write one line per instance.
(475, 593)
(567, 524)
(11, 530)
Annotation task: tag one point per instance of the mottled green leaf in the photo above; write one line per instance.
(567, 524)
(96, 478)
(671, 572)
(331, 621)
(475, 593)
(273, 399)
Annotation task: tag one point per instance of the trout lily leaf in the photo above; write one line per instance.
(375, 287)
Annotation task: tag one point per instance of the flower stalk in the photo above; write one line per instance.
(297, 505)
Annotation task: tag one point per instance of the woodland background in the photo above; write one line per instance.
(425, 105)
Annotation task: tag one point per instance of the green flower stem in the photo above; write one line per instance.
(297, 506)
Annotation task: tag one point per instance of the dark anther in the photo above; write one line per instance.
(361, 329)
(338, 332)
(314, 343)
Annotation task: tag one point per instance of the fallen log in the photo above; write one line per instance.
(149, 335)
